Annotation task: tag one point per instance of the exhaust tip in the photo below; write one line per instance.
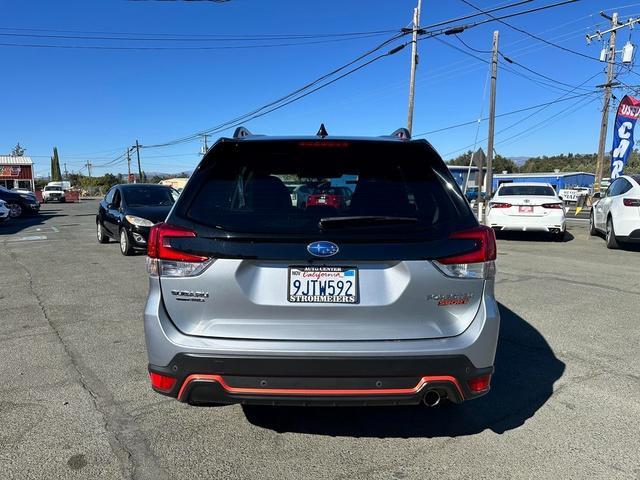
(431, 398)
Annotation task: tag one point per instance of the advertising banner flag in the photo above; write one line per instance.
(628, 112)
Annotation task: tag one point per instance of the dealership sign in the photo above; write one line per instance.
(9, 170)
(628, 112)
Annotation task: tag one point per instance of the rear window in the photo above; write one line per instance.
(532, 190)
(246, 187)
(149, 196)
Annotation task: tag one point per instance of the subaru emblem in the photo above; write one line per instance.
(322, 249)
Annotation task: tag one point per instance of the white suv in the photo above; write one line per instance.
(617, 212)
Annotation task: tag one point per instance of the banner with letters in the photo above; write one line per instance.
(628, 112)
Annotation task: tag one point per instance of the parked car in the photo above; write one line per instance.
(19, 203)
(336, 197)
(527, 207)
(472, 194)
(4, 211)
(300, 195)
(617, 213)
(52, 193)
(387, 302)
(128, 211)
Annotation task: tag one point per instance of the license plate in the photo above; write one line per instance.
(525, 209)
(323, 285)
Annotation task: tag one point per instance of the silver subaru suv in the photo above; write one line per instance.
(377, 290)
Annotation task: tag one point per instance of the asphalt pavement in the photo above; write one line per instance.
(75, 400)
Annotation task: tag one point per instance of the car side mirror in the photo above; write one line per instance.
(597, 195)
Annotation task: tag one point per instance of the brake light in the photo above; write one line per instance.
(553, 205)
(500, 205)
(478, 263)
(631, 202)
(164, 260)
(162, 382)
(479, 384)
(484, 251)
(160, 247)
(323, 144)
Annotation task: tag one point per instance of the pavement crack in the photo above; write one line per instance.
(127, 442)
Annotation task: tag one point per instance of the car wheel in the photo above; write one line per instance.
(15, 210)
(592, 226)
(101, 234)
(612, 241)
(125, 243)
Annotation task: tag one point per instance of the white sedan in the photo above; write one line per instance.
(617, 212)
(527, 207)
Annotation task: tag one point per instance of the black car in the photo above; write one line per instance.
(19, 203)
(128, 212)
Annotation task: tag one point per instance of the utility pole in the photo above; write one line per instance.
(89, 172)
(128, 165)
(205, 146)
(66, 173)
(492, 117)
(611, 61)
(414, 63)
(138, 154)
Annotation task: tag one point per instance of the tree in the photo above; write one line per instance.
(56, 174)
(503, 164)
(18, 151)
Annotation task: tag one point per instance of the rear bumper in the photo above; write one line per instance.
(223, 370)
(202, 379)
(554, 221)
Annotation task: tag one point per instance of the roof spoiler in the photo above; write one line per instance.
(242, 132)
(401, 133)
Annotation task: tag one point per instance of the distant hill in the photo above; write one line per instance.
(519, 161)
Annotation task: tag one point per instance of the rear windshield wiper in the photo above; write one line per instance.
(364, 221)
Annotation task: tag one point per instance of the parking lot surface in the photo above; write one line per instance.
(75, 400)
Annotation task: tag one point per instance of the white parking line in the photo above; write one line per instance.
(27, 239)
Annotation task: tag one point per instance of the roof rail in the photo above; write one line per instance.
(241, 132)
(402, 134)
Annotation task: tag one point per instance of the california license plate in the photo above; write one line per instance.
(525, 209)
(323, 285)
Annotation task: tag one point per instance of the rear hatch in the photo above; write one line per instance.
(404, 260)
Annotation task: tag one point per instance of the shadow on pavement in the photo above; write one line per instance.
(17, 225)
(533, 236)
(526, 369)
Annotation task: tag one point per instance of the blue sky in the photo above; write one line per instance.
(93, 103)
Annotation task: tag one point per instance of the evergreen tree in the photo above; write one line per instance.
(56, 174)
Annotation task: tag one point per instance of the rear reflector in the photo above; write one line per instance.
(631, 202)
(552, 205)
(479, 384)
(160, 247)
(499, 205)
(162, 382)
(485, 246)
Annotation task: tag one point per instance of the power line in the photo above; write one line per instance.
(540, 39)
(513, 112)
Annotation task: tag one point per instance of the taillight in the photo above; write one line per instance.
(479, 384)
(478, 263)
(499, 205)
(553, 205)
(165, 260)
(162, 382)
(631, 202)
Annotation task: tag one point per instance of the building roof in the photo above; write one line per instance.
(11, 160)
(542, 174)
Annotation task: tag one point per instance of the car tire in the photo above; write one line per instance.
(612, 241)
(592, 226)
(125, 243)
(101, 233)
(15, 210)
